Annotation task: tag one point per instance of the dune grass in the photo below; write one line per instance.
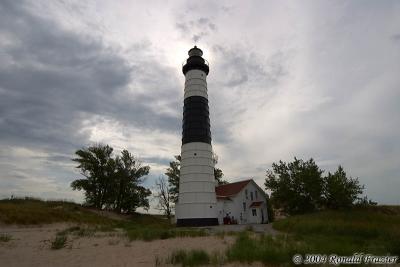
(369, 230)
(151, 227)
(266, 249)
(189, 258)
(5, 237)
(372, 230)
(59, 242)
(149, 234)
(80, 231)
(29, 211)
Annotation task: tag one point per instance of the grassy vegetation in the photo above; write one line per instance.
(272, 250)
(189, 258)
(223, 234)
(34, 211)
(149, 234)
(370, 230)
(138, 226)
(80, 231)
(61, 238)
(151, 227)
(373, 230)
(5, 237)
(59, 242)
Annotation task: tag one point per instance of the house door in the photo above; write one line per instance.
(262, 215)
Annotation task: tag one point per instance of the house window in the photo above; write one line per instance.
(244, 206)
(256, 194)
(254, 211)
(251, 196)
(246, 193)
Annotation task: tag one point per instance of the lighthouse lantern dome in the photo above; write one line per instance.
(195, 61)
(195, 51)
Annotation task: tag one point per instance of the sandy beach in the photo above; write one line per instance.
(31, 246)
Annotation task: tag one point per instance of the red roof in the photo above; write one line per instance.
(256, 204)
(230, 189)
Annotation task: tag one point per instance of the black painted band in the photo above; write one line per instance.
(197, 222)
(196, 121)
(195, 62)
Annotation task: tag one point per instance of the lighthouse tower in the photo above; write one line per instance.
(197, 204)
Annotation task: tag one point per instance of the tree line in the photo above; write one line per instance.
(115, 182)
(300, 187)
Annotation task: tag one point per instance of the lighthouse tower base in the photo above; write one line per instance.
(180, 222)
(196, 222)
(197, 203)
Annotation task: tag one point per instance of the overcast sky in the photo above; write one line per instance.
(316, 79)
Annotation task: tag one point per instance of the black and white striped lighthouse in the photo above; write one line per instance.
(197, 204)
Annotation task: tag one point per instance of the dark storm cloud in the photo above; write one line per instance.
(51, 79)
(53, 82)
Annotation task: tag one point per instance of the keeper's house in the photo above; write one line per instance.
(242, 203)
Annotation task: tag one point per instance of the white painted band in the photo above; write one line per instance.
(195, 84)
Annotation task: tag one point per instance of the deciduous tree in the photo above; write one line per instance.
(173, 173)
(111, 182)
(341, 191)
(296, 186)
(98, 167)
(130, 175)
(299, 187)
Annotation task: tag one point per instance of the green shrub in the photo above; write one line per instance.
(189, 258)
(59, 242)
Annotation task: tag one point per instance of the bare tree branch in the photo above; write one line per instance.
(163, 197)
